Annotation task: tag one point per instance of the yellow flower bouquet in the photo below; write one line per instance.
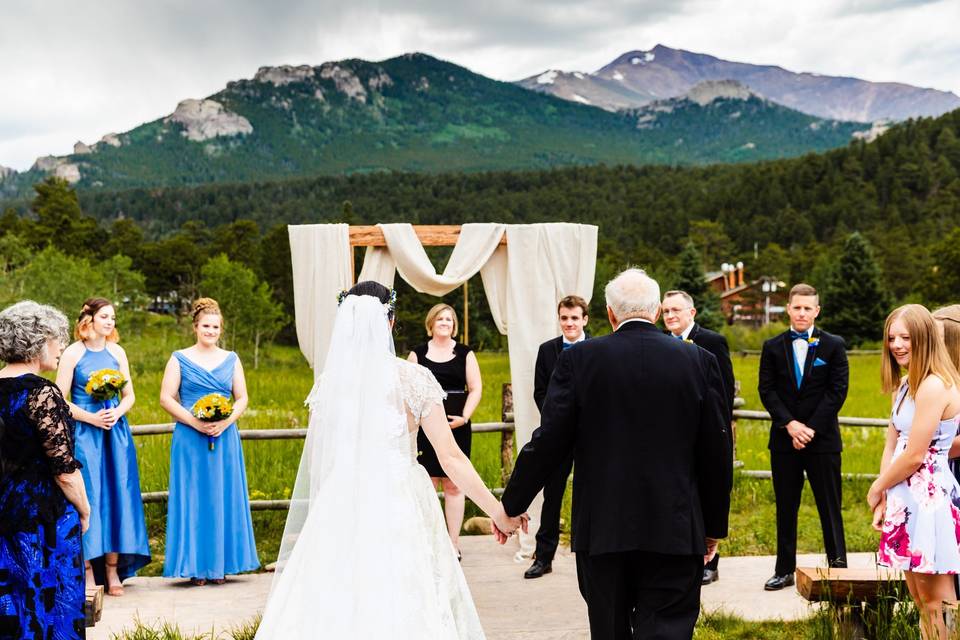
(212, 408)
(105, 384)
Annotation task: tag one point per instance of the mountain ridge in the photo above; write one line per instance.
(664, 72)
(409, 113)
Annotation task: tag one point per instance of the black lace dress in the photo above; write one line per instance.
(452, 376)
(41, 560)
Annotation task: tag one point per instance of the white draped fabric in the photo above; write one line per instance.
(322, 267)
(540, 264)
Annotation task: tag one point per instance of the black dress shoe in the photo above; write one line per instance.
(710, 575)
(538, 569)
(778, 582)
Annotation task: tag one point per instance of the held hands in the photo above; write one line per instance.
(712, 544)
(212, 428)
(504, 526)
(105, 418)
(456, 421)
(801, 434)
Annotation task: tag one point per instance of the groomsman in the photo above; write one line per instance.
(803, 384)
(678, 314)
(572, 313)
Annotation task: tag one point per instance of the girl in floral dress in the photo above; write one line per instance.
(916, 499)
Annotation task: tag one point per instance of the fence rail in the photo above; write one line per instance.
(505, 428)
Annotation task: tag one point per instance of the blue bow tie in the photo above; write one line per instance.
(796, 335)
(567, 345)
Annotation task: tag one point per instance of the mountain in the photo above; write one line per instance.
(414, 113)
(637, 78)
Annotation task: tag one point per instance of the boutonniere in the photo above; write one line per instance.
(813, 341)
(688, 340)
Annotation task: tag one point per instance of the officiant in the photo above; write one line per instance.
(455, 367)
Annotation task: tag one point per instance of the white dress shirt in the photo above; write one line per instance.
(801, 347)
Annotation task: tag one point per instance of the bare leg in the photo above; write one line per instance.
(454, 503)
(931, 591)
(114, 586)
(91, 582)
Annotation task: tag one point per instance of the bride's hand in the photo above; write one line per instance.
(507, 525)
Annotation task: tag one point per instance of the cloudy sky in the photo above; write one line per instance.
(75, 71)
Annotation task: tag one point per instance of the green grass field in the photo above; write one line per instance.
(278, 387)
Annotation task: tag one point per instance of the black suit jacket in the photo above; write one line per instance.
(546, 360)
(643, 415)
(716, 344)
(821, 394)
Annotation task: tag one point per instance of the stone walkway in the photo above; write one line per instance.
(510, 607)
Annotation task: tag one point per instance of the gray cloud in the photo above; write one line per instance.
(79, 70)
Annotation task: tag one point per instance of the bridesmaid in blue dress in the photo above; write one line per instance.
(116, 545)
(209, 528)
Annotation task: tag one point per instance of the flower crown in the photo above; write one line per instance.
(389, 305)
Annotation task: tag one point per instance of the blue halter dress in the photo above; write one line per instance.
(111, 477)
(209, 528)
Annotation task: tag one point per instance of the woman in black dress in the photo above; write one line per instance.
(43, 503)
(455, 367)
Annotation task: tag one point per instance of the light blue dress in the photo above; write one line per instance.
(921, 524)
(111, 477)
(209, 528)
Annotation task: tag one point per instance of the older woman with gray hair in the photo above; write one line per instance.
(43, 504)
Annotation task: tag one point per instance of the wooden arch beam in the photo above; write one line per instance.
(431, 235)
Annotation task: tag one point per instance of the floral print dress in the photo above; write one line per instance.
(921, 523)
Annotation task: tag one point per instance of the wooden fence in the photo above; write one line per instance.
(505, 428)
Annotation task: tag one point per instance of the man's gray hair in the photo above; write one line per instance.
(25, 328)
(683, 294)
(633, 294)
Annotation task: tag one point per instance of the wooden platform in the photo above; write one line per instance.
(511, 608)
(93, 605)
(818, 584)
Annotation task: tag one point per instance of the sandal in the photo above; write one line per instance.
(218, 580)
(115, 590)
(198, 582)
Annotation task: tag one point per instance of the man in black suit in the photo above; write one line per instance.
(572, 313)
(803, 384)
(678, 314)
(644, 418)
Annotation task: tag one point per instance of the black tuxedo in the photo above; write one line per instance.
(548, 534)
(644, 418)
(816, 402)
(716, 344)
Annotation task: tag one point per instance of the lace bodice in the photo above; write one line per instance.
(419, 389)
(36, 444)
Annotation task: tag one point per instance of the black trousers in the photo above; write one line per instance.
(548, 535)
(640, 595)
(823, 472)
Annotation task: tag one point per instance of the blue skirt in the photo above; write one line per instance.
(209, 528)
(42, 582)
(117, 523)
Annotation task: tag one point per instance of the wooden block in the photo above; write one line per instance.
(818, 584)
(951, 609)
(93, 605)
(430, 235)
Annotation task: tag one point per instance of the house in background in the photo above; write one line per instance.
(754, 302)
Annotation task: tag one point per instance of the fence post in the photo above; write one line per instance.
(506, 436)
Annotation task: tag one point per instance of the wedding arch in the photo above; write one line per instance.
(525, 269)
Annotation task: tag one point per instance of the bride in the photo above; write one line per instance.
(365, 552)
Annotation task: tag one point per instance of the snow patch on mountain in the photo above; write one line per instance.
(578, 98)
(547, 77)
(617, 76)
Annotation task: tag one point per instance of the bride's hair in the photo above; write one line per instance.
(371, 288)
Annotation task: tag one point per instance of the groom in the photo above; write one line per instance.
(645, 421)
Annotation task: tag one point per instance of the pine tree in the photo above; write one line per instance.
(855, 301)
(691, 280)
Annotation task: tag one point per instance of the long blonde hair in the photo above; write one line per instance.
(949, 318)
(928, 355)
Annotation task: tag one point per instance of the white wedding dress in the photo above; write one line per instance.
(366, 552)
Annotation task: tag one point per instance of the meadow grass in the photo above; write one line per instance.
(277, 389)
